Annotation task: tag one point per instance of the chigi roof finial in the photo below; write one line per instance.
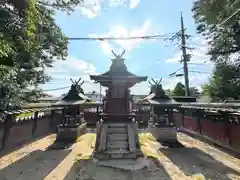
(117, 56)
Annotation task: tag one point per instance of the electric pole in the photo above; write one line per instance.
(185, 57)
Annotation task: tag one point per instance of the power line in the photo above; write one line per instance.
(204, 63)
(156, 36)
(57, 89)
(224, 21)
(174, 73)
(201, 72)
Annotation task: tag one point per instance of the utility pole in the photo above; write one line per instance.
(185, 58)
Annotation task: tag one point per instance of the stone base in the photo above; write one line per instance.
(131, 165)
(70, 133)
(163, 134)
(117, 141)
(117, 155)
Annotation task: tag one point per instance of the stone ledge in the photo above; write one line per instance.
(129, 164)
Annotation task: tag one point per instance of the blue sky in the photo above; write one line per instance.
(121, 18)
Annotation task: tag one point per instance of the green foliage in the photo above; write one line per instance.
(30, 41)
(61, 5)
(223, 37)
(179, 90)
(168, 92)
(222, 85)
(194, 91)
(205, 89)
(224, 42)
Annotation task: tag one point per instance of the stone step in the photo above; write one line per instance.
(117, 144)
(117, 125)
(117, 137)
(117, 151)
(124, 156)
(117, 155)
(126, 164)
(117, 130)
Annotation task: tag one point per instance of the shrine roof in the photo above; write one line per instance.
(74, 96)
(168, 103)
(118, 71)
(71, 102)
(109, 76)
(159, 100)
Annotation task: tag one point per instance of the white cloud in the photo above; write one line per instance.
(93, 8)
(126, 3)
(117, 2)
(73, 68)
(90, 8)
(195, 80)
(198, 55)
(142, 88)
(200, 61)
(134, 3)
(121, 31)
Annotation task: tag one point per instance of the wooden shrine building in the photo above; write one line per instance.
(72, 123)
(116, 132)
(161, 123)
(118, 80)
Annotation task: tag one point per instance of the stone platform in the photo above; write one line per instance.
(117, 141)
(125, 164)
(70, 133)
(163, 134)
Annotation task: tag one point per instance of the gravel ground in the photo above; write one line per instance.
(195, 160)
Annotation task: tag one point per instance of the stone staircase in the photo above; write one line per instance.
(118, 141)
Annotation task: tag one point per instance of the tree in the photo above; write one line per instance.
(30, 41)
(179, 90)
(221, 86)
(194, 91)
(217, 21)
(168, 92)
(205, 89)
(223, 37)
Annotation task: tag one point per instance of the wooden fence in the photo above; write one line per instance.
(224, 133)
(17, 131)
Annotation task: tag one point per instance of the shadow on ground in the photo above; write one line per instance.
(193, 161)
(8, 150)
(228, 151)
(88, 170)
(34, 166)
